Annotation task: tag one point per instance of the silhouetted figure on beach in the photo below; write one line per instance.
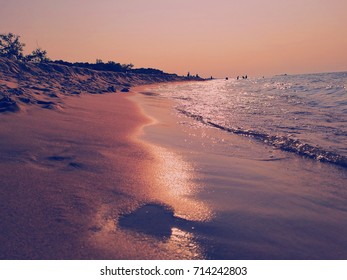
(227, 78)
(238, 77)
(188, 75)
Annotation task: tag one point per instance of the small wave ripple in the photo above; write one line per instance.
(281, 142)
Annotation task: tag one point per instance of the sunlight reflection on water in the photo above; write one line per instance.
(176, 178)
(183, 242)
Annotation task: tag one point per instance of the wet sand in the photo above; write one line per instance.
(263, 203)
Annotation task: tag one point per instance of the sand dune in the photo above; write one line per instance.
(46, 84)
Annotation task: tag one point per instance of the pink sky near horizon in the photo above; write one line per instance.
(219, 38)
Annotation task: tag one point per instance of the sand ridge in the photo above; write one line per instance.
(47, 84)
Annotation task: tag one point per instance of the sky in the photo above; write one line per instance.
(211, 38)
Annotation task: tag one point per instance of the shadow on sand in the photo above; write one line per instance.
(156, 220)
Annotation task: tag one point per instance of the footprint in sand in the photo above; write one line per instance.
(55, 161)
(65, 161)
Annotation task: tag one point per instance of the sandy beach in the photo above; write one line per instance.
(173, 138)
(60, 170)
(67, 177)
(77, 183)
(113, 175)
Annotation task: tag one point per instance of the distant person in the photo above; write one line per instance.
(227, 78)
(238, 77)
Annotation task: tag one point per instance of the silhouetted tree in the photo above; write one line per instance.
(37, 56)
(112, 66)
(127, 67)
(10, 46)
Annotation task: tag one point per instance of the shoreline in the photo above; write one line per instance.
(263, 203)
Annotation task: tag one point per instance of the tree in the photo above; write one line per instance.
(37, 56)
(10, 46)
(127, 67)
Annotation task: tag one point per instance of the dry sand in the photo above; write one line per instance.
(62, 175)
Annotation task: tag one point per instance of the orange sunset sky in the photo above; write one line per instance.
(219, 37)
